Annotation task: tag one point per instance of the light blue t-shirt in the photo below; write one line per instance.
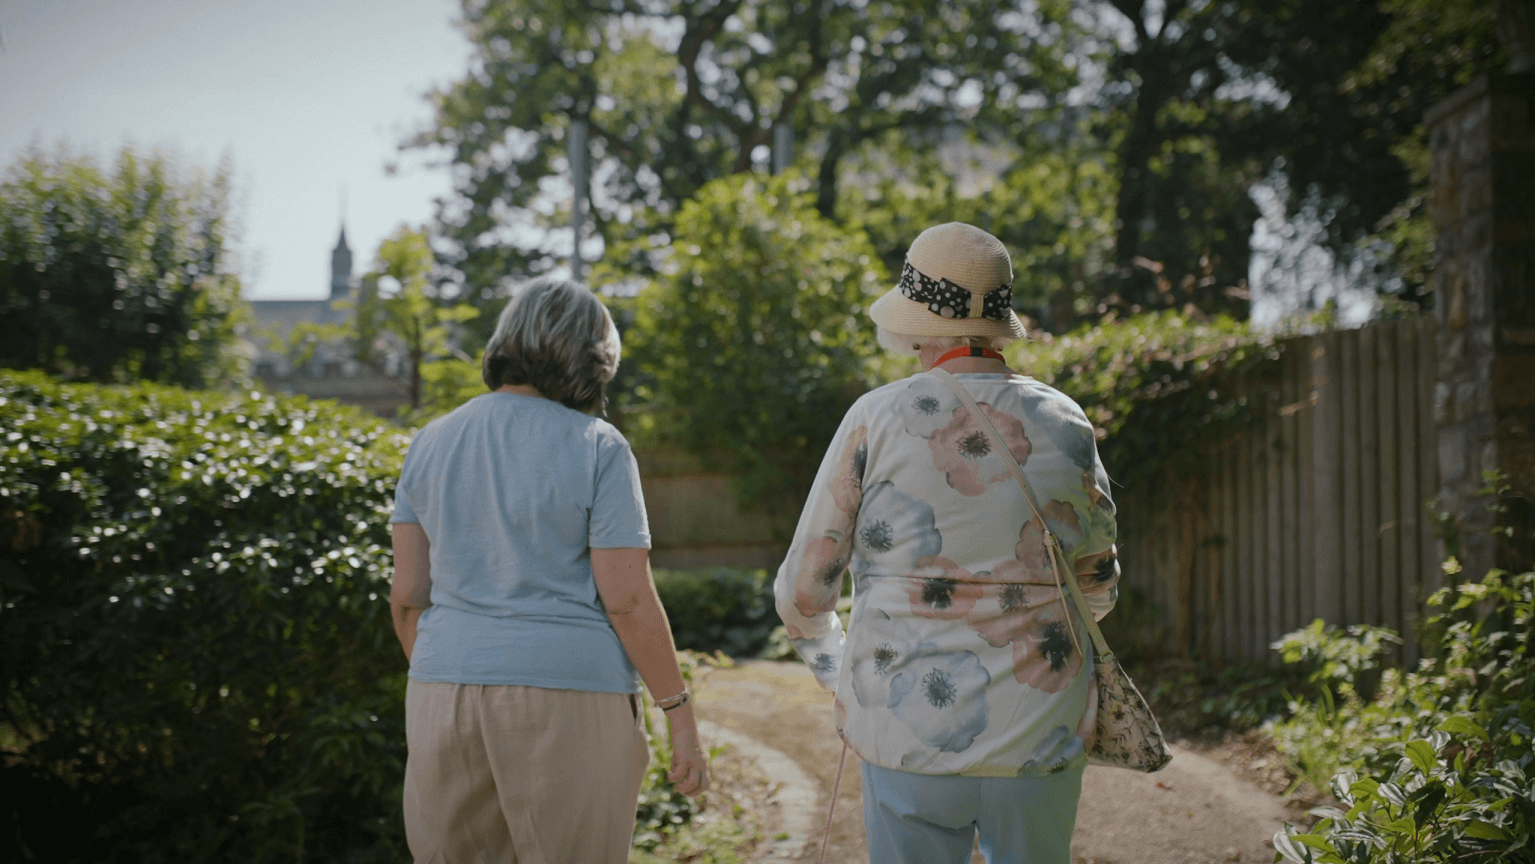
(513, 492)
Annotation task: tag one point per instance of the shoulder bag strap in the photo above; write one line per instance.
(1064, 580)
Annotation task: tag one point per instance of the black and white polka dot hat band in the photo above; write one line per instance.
(957, 281)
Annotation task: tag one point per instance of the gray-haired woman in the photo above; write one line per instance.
(523, 598)
(960, 682)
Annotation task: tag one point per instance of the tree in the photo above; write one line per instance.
(1368, 158)
(117, 275)
(1051, 203)
(754, 340)
(396, 301)
(1163, 114)
(677, 94)
(1213, 96)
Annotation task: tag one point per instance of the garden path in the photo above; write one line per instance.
(1197, 810)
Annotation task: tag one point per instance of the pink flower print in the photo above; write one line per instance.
(847, 483)
(939, 588)
(1034, 561)
(1063, 522)
(1096, 497)
(1045, 656)
(820, 576)
(1002, 612)
(962, 450)
(1098, 572)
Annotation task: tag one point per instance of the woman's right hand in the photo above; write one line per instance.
(689, 771)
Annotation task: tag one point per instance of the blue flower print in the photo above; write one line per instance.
(823, 656)
(942, 697)
(926, 406)
(1059, 749)
(881, 647)
(893, 531)
(1068, 429)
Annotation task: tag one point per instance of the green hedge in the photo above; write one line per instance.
(719, 609)
(194, 630)
(197, 657)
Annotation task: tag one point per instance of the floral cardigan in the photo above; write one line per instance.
(962, 656)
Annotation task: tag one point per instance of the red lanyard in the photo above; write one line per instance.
(970, 351)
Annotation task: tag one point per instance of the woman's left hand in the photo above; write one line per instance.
(689, 771)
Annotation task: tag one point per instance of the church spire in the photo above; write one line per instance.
(340, 268)
(341, 259)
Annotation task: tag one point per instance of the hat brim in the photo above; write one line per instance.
(900, 314)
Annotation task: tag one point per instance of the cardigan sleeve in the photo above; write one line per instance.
(1096, 562)
(809, 582)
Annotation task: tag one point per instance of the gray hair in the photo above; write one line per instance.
(557, 337)
(903, 343)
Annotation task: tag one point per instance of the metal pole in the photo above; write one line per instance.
(579, 156)
(783, 147)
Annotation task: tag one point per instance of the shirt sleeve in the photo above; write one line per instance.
(809, 582)
(618, 518)
(403, 511)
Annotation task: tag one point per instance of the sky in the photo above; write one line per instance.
(310, 99)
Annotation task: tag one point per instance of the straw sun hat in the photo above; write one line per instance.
(958, 281)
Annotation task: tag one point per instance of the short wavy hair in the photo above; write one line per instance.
(557, 337)
(911, 346)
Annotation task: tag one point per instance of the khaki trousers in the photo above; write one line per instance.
(521, 774)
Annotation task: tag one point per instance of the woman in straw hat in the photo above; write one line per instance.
(961, 682)
(523, 599)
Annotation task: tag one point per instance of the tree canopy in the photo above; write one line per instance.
(117, 274)
(749, 346)
(397, 300)
(680, 93)
(1114, 143)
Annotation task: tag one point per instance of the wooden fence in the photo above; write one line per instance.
(1318, 510)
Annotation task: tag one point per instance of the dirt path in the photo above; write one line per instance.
(773, 714)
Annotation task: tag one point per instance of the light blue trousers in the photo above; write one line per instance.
(934, 819)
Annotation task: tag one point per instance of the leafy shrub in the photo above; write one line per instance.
(719, 609)
(752, 343)
(1197, 699)
(1334, 663)
(197, 656)
(1437, 767)
(1150, 384)
(668, 825)
(196, 650)
(117, 274)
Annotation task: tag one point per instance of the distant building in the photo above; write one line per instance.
(332, 370)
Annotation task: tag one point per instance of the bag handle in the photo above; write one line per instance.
(1052, 543)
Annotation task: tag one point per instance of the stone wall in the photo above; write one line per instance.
(1482, 142)
(384, 395)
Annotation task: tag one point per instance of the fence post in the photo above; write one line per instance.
(1482, 145)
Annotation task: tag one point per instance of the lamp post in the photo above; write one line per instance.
(783, 147)
(578, 156)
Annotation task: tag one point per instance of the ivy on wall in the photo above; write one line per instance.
(1154, 385)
